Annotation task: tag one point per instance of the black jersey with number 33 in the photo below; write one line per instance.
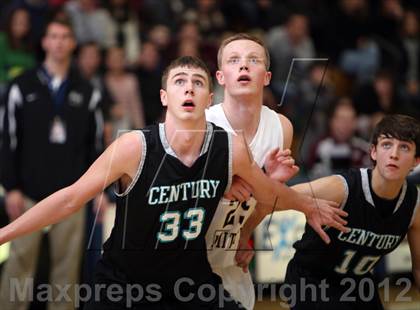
(162, 217)
(377, 227)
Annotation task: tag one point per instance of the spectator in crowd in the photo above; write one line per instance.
(286, 42)
(388, 17)
(15, 47)
(125, 29)
(149, 73)
(347, 21)
(127, 112)
(209, 18)
(163, 12)
(340, 149)
(361, 62)
(89, 61)
(52, 133)
(40, 12)
(375, 99)
(268, 14)
(91, 22)
(160, 35)
(316, 93)
(190, 42)
(410, 49)
(56, 4)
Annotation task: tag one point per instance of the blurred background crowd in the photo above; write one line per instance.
(337, 66)
(354, 59)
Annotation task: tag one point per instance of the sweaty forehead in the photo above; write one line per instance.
(243, 47)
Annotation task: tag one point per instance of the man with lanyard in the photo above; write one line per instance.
(52, 132)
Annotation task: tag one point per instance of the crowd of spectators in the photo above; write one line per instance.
(366, 50)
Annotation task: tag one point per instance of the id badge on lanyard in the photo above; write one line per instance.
(58, 132)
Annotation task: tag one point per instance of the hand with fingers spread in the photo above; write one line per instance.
(280, 165)
(240, 190)
(244, 253)
(326, 213)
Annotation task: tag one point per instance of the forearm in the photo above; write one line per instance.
(253, 221)
(279, 197)
(416, 275)
(48, 211)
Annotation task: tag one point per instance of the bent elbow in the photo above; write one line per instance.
(71, 204)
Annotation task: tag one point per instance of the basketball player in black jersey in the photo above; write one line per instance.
(382, 209)
(170, 178)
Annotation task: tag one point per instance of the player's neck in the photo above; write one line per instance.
(243, 115)
(185, 138)
(384, 188)
(55, 68)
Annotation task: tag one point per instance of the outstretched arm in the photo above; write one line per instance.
(414, 243)
(328, 188)
(120, 159)
(278, 196)
(325, 189)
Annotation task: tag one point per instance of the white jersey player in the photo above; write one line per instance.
(224, 231)
(243, 71)
(243, 62)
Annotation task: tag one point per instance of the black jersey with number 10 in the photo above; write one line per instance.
(372, 234)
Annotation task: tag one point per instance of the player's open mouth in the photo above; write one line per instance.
(392, 166)
(244, 78)
(188, 104)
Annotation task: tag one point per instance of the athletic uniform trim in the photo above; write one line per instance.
(346, 196)
(230, 164)
(416, 208)
(170, 151)
(366, 186)
(346, 191)
(402, 196)
(140, 166)
(207, 138)
(368, 194)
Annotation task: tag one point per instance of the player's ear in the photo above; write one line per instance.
(210, 100)
(220, 77)
(373, 152)
(163, 97)
(267, 78)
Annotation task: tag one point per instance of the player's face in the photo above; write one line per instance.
(243, 70)
(187, 93)
(58, 42)
(394, 158)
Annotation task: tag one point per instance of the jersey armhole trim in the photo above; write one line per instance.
(278, 116)
(416, 208)
(139, 169)
(230, 164)
(346, 191)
